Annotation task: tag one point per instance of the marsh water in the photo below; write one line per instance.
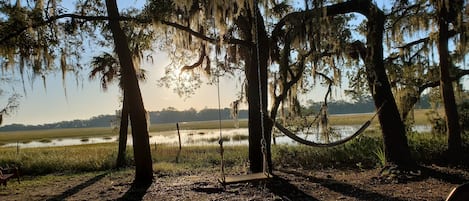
(235, 136)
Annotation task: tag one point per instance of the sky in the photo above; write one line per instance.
(86, 99)
(40, 105)
(51, 104)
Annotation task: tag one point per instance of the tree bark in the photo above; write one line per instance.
(255, 121)
(123, 129)
(446, 85)
(133, 97)
(395, 141)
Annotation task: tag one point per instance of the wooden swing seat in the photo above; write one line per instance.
(245, 178)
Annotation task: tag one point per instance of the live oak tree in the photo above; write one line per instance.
(449, 13)
(226, 29)
(415, 68)
(396, 148)
(43, 34)
(234, 30)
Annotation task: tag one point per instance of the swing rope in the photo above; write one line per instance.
(220, 140)
(261, 105)
(224, 180)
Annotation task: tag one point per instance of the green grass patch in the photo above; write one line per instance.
(216, 139)
(240, 137)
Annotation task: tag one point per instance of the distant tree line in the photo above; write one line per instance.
(172, 115)
(364, 105)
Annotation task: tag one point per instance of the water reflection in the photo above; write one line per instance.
(199, 137)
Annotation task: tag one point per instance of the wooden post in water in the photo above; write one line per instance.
(179, 136)
(180, 144)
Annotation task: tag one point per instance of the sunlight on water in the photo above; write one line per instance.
(202, 137)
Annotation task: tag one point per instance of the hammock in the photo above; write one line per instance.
(316, 144)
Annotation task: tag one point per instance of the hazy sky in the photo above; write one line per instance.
(45, 105)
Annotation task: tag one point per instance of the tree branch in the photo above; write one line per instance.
(50, 20)
(122, 18)
(198, 63)
(190, 31)
(451, 33)
(432, 84)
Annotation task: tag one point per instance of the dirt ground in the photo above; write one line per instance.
(433, 183)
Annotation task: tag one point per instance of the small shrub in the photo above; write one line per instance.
(379, 153)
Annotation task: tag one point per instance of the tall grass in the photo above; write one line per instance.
(82, 158)
(359, 153)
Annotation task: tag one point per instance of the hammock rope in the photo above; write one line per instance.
(295, 137)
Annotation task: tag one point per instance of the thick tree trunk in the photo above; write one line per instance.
(393, 129)
(123, 128)
(446, 87)
(254, 124)
(133, 97)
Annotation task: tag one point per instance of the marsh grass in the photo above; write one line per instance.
(19, 136)
(216, 139)
(240, 137)
(361, 153)
(100, 157)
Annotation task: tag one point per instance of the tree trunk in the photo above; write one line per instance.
(447, 92)
(254, 124)
(133, 97)
(124, 124)
(395, 141)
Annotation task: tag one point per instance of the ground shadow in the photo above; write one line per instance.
(284, 189)
(136, 192)
(204, 187)
(344, 188)
(78, 188)
(444, 176)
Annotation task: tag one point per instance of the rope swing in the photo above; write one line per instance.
(225, 180)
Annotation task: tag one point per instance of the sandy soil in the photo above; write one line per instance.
(433, 183)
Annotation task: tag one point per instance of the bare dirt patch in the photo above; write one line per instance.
(434, 183)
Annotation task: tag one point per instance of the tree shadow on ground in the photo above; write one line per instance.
(78, 188)
(444, 176)
(344, 188)
(287, 191)
(136, 192)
